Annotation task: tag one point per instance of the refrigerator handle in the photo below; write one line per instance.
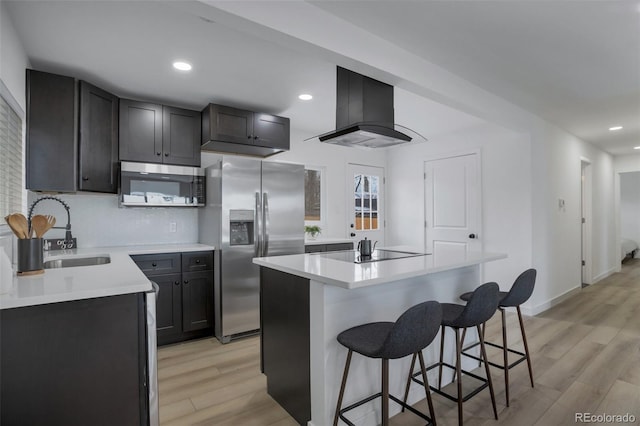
(265, 224)
(257, 229)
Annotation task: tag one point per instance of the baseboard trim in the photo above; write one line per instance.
(606, 274)
(531, 311)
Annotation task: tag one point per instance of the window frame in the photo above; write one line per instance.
(11, 101)
(323, 197)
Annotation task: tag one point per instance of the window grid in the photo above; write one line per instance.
(366, 202)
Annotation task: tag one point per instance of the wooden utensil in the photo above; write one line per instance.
(40, 224)
(18, 224)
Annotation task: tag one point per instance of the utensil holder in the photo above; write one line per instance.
(30, 256)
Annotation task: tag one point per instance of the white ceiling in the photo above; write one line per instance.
(575, 63)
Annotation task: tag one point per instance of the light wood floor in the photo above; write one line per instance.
(586, 358)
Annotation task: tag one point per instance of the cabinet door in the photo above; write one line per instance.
(197, 300)
(315, 248)
(98, 144)
(140, 131)
(271, 131)
(168, 305)
(181, 136)
(339, 246)
(51, 132)
(230, 124)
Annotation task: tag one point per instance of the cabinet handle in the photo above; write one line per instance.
(176, 282)
(154, 264)
(85, 178)
(186, 281)
(255, 137)
(249, 136)
(197, 260)
(166, 154)
(158, 153)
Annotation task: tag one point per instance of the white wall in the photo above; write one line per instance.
(506, 195)
(334, 160)
(97, 221)
(13, 60)
(630, 206)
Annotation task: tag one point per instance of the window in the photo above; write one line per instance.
(313, 194)
(10, 156)
(365, 191)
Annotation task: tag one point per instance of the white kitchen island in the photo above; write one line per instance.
(307, 300)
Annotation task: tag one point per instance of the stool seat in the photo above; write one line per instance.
(482, 305)
(450, 313)
(520, 292)
(367, 339)
(413, 331)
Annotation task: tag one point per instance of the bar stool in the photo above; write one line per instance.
(414, 330)
(482, 304)
(519, 293)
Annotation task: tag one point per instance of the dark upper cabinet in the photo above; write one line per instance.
(51, 132)
(140, 131)
(70, 148)
(227, 129)
(271, 131)
(98, 140)
(154, 133)
(181, 136)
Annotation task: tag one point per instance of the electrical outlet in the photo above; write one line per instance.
(173, 227)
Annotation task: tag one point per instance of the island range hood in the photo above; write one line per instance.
(364, 113)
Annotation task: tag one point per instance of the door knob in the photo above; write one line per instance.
(472, 236)
(353, 234)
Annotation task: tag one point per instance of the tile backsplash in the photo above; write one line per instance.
(98, 221)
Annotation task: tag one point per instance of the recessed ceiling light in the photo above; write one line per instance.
(615, 128)
(636, 147)
(305, 97)
(182, 66)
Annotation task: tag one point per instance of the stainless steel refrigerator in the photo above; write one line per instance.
(254, 208)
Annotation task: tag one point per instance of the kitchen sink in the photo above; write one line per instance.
(77, 261)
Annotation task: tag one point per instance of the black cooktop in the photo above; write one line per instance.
(353, 256)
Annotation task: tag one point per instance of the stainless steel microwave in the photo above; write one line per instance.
(161, 185)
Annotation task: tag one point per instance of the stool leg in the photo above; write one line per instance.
(526, 347)
(385, 392)
(464, 334)
(441, 357)
(342, 386)
(486, 367)
(426, 388)
(505, 354)
(406, 390)
(459, 375)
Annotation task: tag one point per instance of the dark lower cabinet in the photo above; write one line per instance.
(316, 248)
(185, 300)
(75, 363)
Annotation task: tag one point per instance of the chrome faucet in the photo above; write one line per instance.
(68, 238)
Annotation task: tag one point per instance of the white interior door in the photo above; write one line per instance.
(365, 203)
(452, 206)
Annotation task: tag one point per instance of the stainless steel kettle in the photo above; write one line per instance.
(365, 248)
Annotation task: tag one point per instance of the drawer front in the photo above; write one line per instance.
(197, 261)
(315, 248)
(339, 246)
(154, 264)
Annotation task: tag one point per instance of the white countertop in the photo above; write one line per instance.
(121, 276)
(355, 275)
(326, 240)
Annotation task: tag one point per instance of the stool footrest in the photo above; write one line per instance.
(474, 392)
(495, 345)
(378, 395)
